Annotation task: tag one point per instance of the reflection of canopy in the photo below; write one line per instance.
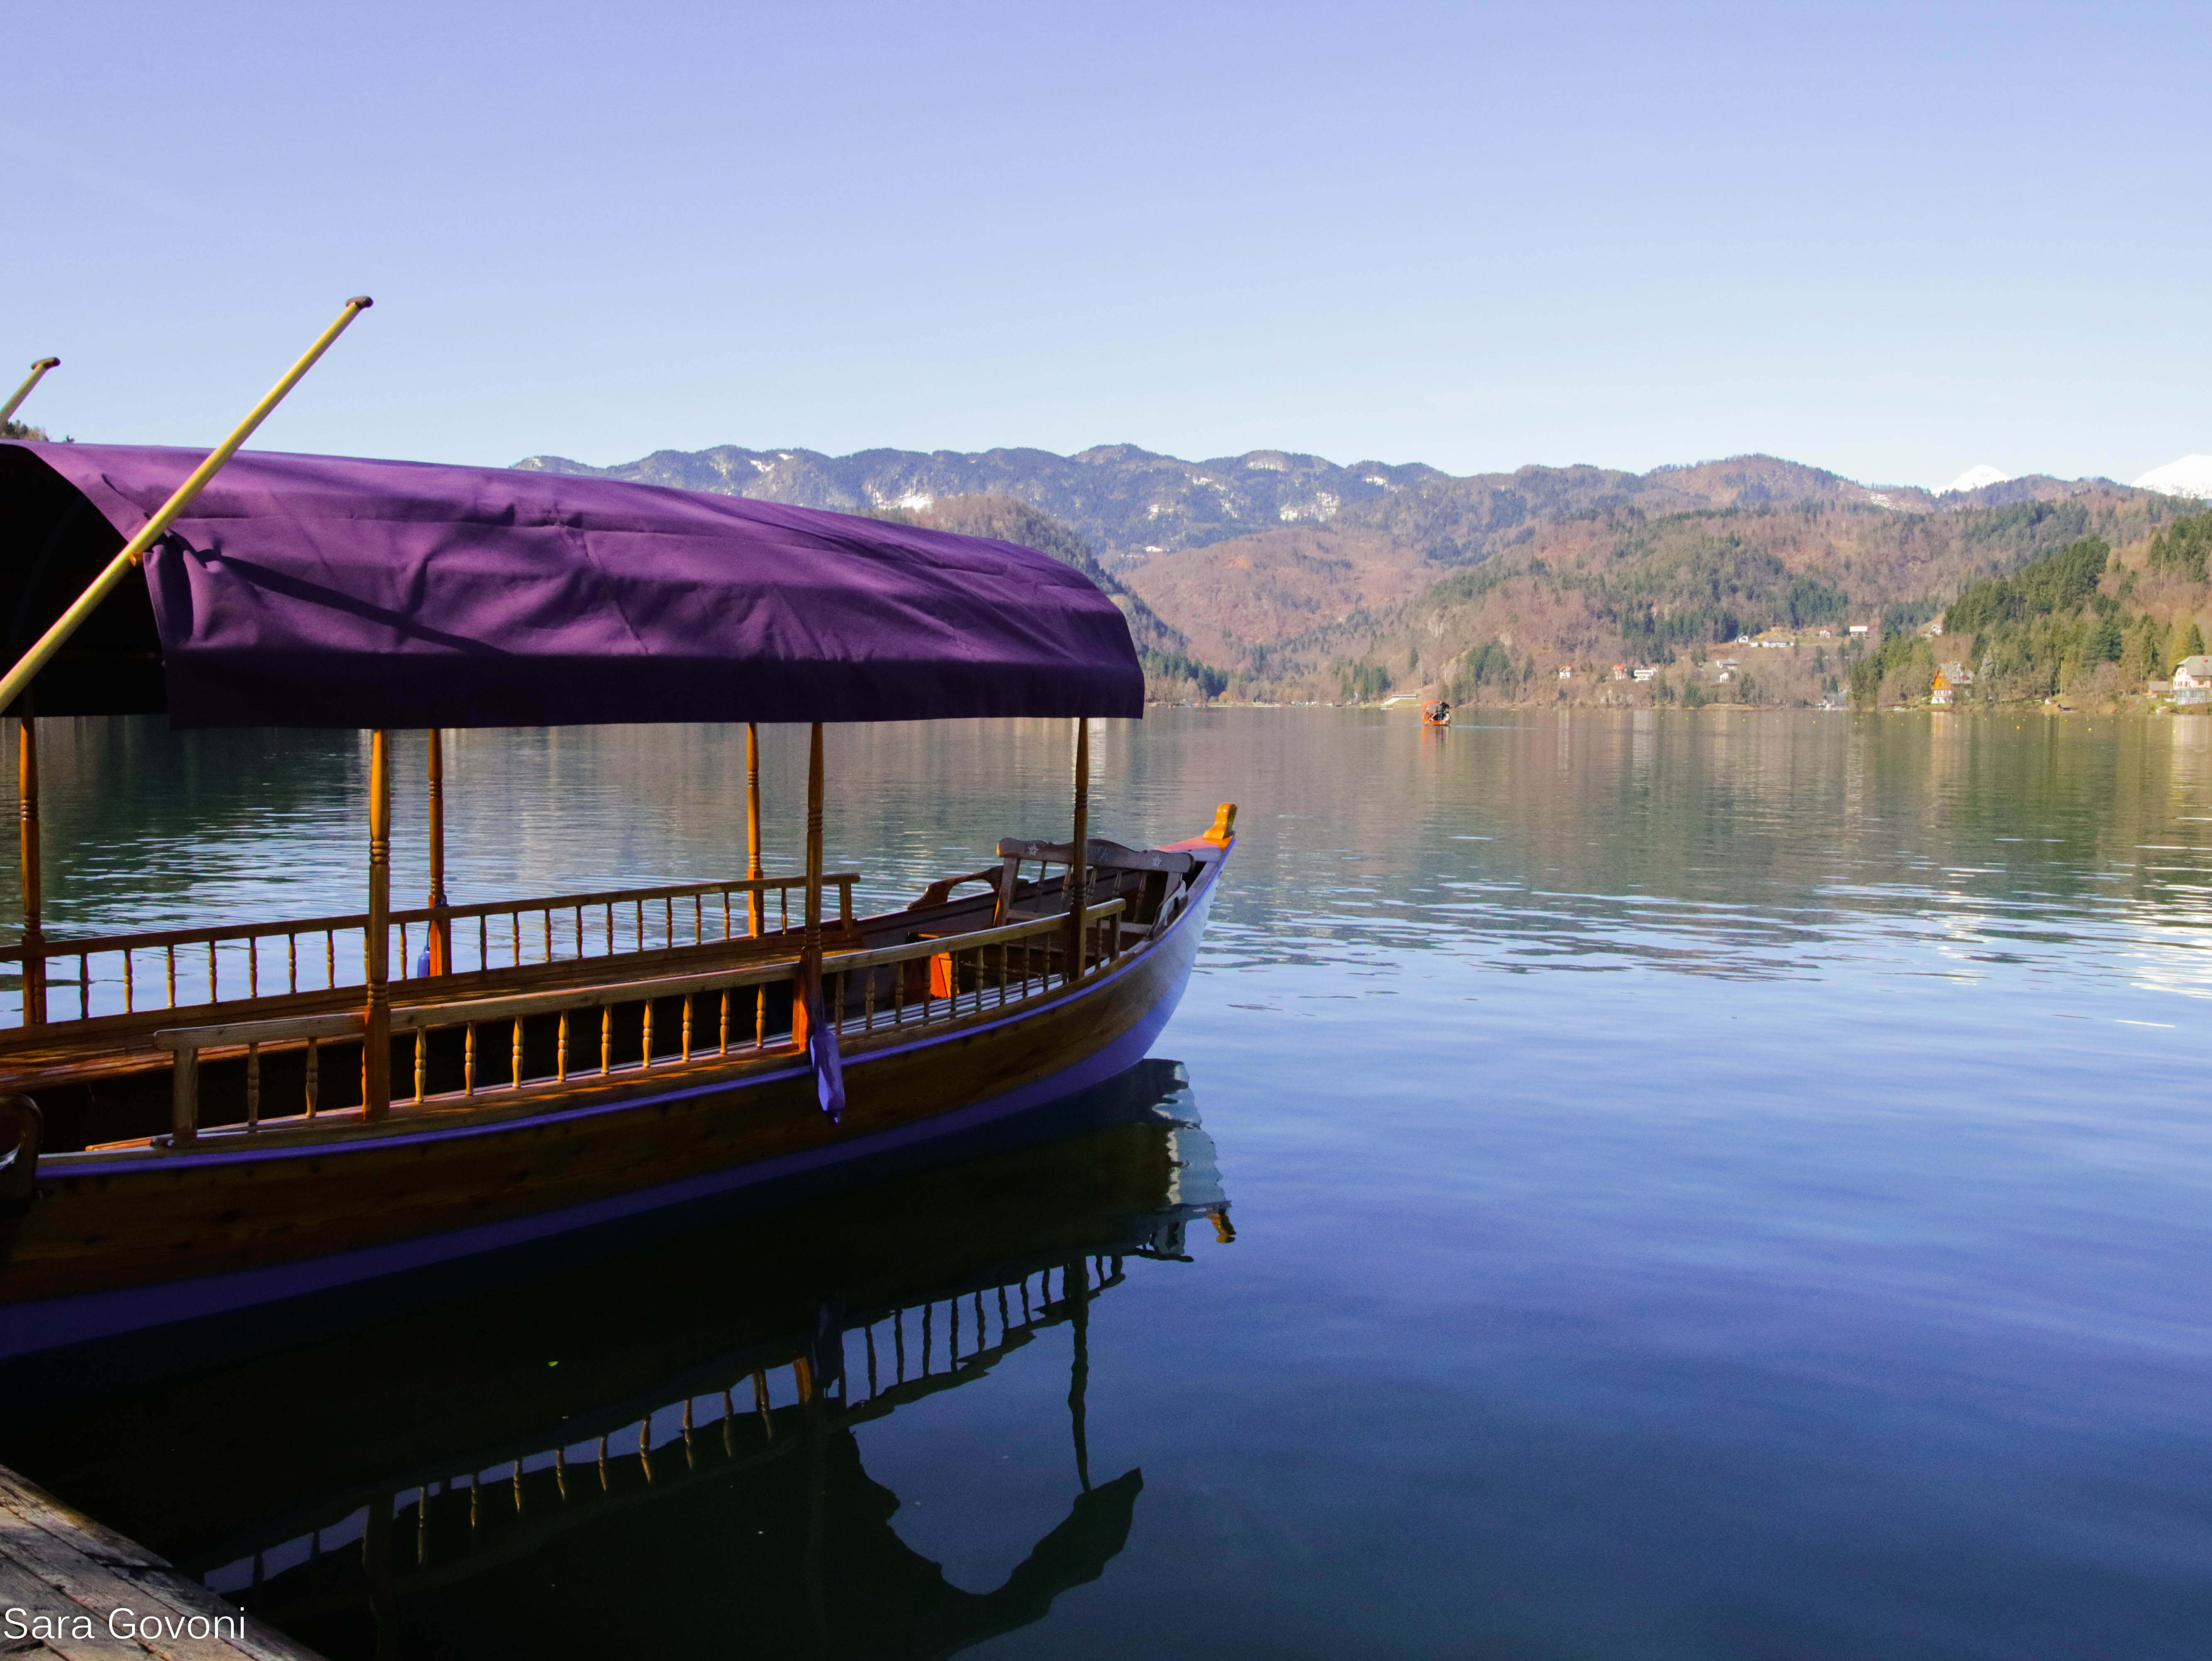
(311, 590)
(798, 1554)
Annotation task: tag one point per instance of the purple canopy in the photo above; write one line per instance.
(313, 591)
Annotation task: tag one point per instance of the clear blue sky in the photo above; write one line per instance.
(1896, 241)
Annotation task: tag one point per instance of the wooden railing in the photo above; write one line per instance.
(988, 968)
(966, 974)
(171, 969)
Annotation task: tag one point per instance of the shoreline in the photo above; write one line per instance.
(2106, 712)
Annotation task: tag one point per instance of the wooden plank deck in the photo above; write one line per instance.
(73, 1589)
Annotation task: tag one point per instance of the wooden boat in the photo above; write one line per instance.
(733, 1432)
(230, 1116)
(1437, 714)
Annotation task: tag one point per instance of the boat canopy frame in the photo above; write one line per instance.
(284, 590)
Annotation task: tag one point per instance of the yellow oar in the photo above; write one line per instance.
(51, 641)
(37, 373)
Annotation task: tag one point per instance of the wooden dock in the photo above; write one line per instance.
(74, 1590)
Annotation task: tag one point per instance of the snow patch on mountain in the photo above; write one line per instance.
(1974, 478)
(2191, 476)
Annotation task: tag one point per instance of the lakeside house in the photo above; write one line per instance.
(1939, 693)
(2192, 680)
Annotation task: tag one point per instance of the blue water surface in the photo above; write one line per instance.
(1706, 1183)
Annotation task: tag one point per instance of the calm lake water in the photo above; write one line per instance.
(1702, 1185)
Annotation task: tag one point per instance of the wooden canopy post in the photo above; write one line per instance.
(807, 989)
(440, 946)
(1079, 870)
(376, 938)
(754, 898)
(26, 798)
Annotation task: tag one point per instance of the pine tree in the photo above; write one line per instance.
(2188, 641)
(2143, 646)
(2103, 644)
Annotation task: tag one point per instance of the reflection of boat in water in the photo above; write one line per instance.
(643, 1457)
(1437, 714)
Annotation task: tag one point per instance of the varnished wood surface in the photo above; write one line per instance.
(109, 1081)
(105, 1223)
(122, 1043)
(59, 1565)
(59, 947)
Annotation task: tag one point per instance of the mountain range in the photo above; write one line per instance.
(1276, 575)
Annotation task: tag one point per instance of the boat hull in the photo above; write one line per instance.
(112, 1249)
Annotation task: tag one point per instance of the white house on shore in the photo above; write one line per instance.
(2192, 680)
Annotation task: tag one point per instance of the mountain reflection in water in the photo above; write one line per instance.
(658, 1452)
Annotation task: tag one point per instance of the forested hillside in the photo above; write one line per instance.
(1344, 615)
(1171, 674)
(2090, 622)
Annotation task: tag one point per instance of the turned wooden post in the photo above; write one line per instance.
(1079, 870)
(27, 798)
(754, 899)
(441, 926)
(376, 943)
(805, 992)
